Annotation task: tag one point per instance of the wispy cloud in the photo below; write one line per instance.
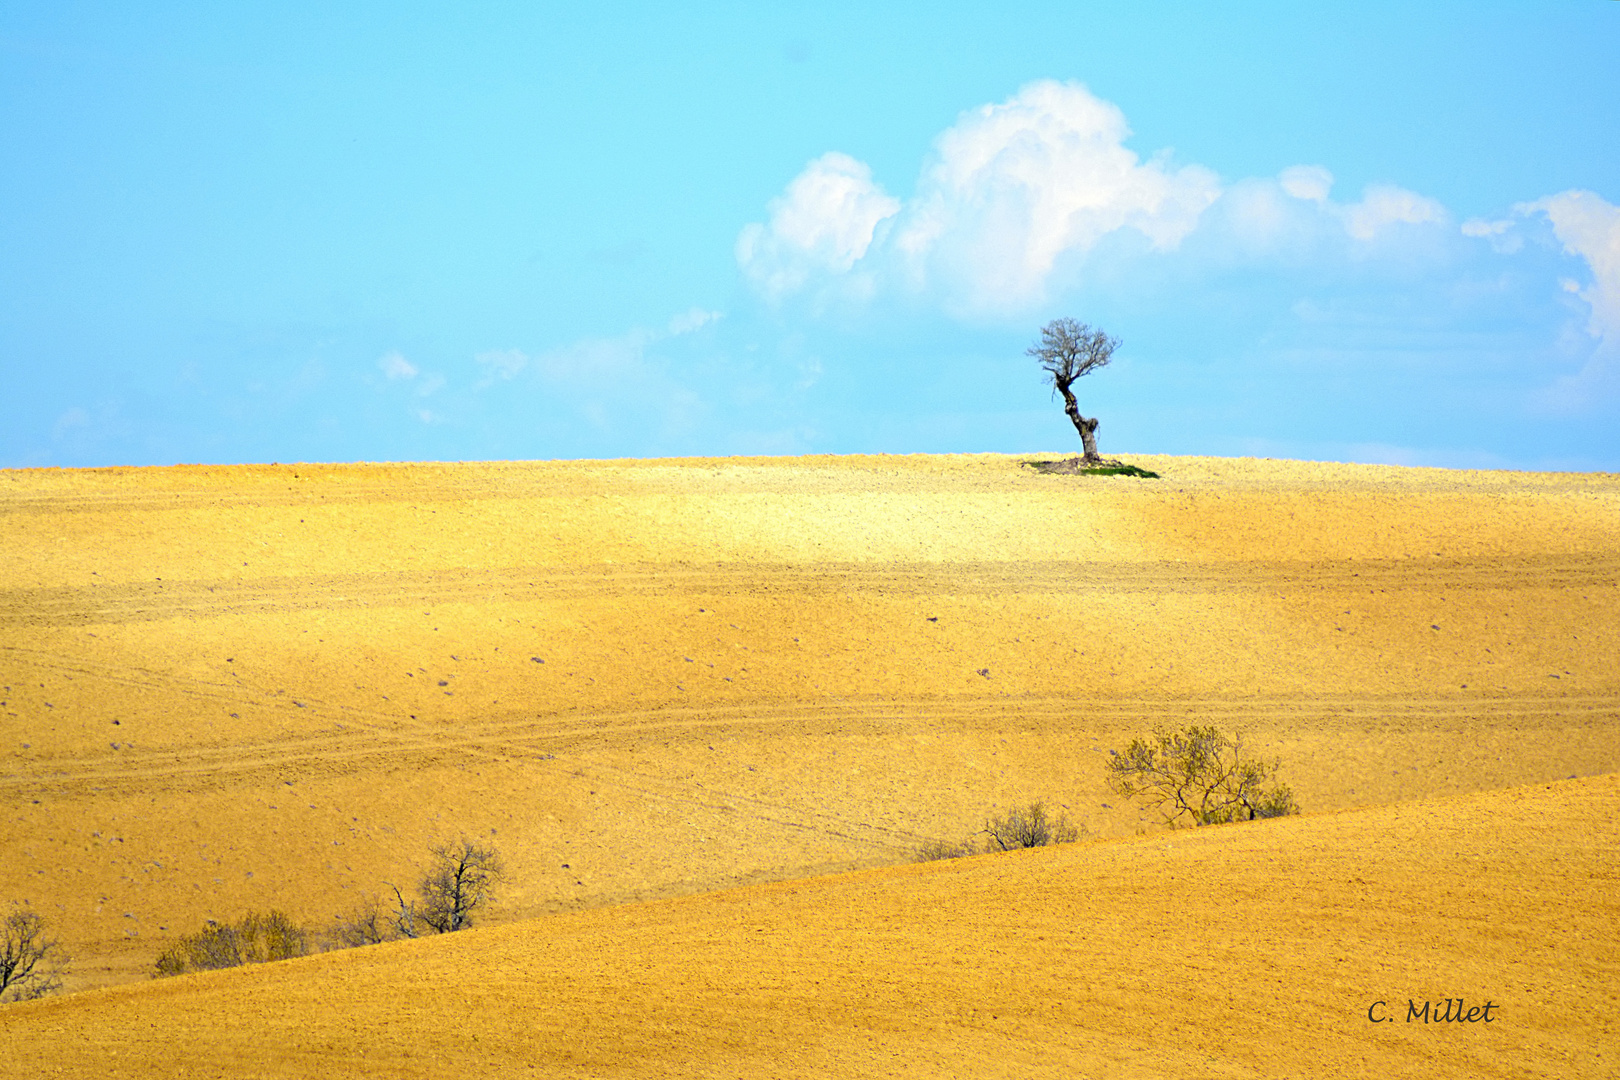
(70, 423)
(398, 369)
(614, 384)
(692, 320)
(500, 365)
(395, 366)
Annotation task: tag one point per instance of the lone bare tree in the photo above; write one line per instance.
(1068, 350)
(30, 963)
(459, 881)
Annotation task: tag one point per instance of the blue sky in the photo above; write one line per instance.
(1382, 233)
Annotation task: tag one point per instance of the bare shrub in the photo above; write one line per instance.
(940, 849)
(1200, 774)
(272, 936)
(459, 880)
(255, 939)
(1027, 828)
(365, 925)
(31, 964)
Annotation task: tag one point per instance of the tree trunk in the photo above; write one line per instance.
(1086, 428)
(1088, 439)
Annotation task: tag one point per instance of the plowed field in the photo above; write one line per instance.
(241, 688)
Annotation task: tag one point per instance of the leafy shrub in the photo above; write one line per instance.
(255, 939)
(1200, 774)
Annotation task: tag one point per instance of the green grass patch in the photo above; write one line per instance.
(1072, 467)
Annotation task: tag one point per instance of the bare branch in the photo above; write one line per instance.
(31, 964)
(1070, 349)
(1021, 828)
(460, 881)
(365, 925)
(1067, 350)
(404, 913)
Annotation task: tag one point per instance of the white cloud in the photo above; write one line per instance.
(692, 320)
(1501, 235)
(395, 366)
(1013, 187)
(1009, 190)
(823, 222)
(1479, 227)
(1308, 182)
(1260, 217)
(1384, 205)
(1588, 226)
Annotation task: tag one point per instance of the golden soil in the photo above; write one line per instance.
(275, 686)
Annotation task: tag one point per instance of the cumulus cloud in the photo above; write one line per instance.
(1308, 182)
(1015, 195)
(1588, 226)
(1013, 186)
(1008, 190)
(1384, 205)
(824, 222)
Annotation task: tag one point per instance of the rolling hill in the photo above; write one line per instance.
(235, 688)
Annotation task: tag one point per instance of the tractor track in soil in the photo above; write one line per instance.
(58, 606)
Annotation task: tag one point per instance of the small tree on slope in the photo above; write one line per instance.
(1199, 774)
(459, 881)
(30, 963)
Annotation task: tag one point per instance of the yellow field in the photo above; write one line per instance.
(276, 686)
